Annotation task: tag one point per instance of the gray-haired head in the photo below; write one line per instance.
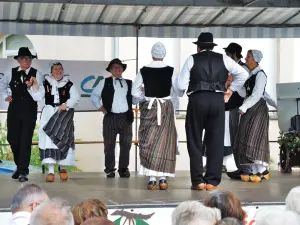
(195, 213)
(292, 200)
(52, 212)
(27, 197)
(257, 55)
(273, 216)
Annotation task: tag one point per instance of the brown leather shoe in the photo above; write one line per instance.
(50, 177)
(163, 185)
(210, 187)
(199, 187)
(245, 177)
(63, 175)
(151, 185)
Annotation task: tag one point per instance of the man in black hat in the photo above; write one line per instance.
(22, 110)
(204, 76)
(112, 96)
(234, 51)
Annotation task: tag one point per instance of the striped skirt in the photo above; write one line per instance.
(252, 140)
(157, 144)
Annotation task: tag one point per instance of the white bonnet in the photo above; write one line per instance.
(158, 51)
(257, 55)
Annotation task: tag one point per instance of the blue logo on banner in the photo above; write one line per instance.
(88, 84)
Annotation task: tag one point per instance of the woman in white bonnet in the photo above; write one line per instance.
(154, 88)
(56, 133)
(252, 140)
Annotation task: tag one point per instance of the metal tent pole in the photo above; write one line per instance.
(136, 107)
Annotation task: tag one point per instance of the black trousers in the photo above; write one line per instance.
(206, 110)
(20, 128)
(113, 124)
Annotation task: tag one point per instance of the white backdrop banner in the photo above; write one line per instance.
(84, 74)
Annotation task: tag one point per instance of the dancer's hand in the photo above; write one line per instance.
(227, 95)
(29, 83)
(8, 99)
(102, 109)
(62, 107)
(34, 83)
(241, 112)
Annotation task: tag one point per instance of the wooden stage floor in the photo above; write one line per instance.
(132, 192)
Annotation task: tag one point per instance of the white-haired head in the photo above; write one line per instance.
(158, 51)
(27, 197)
(52, 212)
(195, 213)
(273, 216)
(292, 200)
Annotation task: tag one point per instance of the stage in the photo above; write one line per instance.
(132, 192)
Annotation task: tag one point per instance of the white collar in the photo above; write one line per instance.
(156, 64)
(255, 70)
(26, 71)
(20, 218)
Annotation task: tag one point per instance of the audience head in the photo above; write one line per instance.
(195, 213)
(229, 205)
(52, 212)
(229, 221)
(27, 197)
(87, 209)
(273, 216)
(97, 221)
(292, 200)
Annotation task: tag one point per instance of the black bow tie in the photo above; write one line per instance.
(119, 79)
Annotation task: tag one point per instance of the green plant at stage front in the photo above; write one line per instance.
(6, 153)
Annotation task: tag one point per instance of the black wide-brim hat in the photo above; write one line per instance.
(116, 61)
(24, 51)
(234, 48)
(205, 38)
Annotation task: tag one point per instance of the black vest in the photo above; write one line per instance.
(107, 97)
(250, 83)
(235, 101)
(22, 100)
(157, 81)
(64, 93)
(208, 73)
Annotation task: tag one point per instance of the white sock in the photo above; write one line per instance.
(152, 178)
(225, 159)
(50, 168)
(62, 167)
(260, 168)
(254, 168)
(162, 178)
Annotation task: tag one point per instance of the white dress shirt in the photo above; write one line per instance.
(239, 73)
(258, 91)
(20, 218)
(119, 104)
(5, 90)
(266, 96)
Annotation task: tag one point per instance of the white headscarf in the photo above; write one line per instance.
(158, 51)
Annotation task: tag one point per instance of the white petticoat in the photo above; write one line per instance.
(46, 143)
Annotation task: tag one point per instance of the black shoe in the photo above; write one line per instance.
(0, 161)
(23, 178)
(224, 169)
(15, 175)
(111, 174)
(236, 175)
(124, 173)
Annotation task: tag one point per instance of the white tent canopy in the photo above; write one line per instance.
(153, 18)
